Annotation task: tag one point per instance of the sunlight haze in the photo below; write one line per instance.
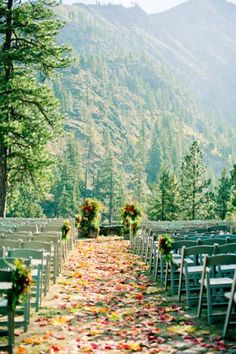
(150, 6)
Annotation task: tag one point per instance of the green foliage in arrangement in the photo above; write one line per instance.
(130, 218)
(165, 247)
(88, 219)
(22, 280)
(29, 114)
(66, 230)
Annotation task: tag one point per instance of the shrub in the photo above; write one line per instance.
(66, 230)
(130, 215)
(165, 247)
(89, 217)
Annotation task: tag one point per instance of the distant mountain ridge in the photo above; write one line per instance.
(197, 33)
(173, 72)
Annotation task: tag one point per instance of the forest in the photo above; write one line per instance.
(121, 125)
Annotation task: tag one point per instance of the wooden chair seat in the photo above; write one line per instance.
(231, 296)
(228, 296)
(214, 286)
(172, 267)
(177, 261)
(218, 282)
(230, 267)
(3, 303)
(35, 256)
(190, 274)
(193, 269)
(6, 310)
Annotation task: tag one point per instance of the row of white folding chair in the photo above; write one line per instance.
(45, 247)
(145, 237)
(38, 265)
(57, 254)
(156, 259)
(190, 266)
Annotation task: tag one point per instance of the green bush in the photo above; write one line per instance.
(130, 216)
(89, 217)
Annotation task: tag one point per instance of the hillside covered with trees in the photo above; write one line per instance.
(137, 96)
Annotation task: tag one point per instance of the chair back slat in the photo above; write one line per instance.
(179, 244)
(37, 245)
(212, 241)
(26, 253)
(6, 275)
(228, 248)
(198, 250)
(220, 259)
(10, 243)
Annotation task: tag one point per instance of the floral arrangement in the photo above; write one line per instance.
(21, 280)
(66, 230)
(130, 215)
(78, 219)
(165, 247)
(88, 220)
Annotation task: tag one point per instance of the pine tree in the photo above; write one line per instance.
(164, 200)
(90, 157)
(139, 180)
(223, 194)
(193, 185)
(155, 156)
(26, 200)
(29, 116)
(67, 180)
(233, 187)
(110, 185)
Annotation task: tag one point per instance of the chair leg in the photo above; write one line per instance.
(187, 289)
(11, 330)
(209, 305)
(162, 271)
(180, 285)
(172, 278)
(156, 262)
(200, 299)
(227, 318)
(166, 275)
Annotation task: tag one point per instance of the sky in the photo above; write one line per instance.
(150, 6)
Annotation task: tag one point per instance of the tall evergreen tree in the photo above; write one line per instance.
(164, 200)
(223, 194)
(66, 192)
(26, 200)
(155, 155)
(110, 184)
(28, 109)
(139, 180)
(233, 177)
(193, 185)
(233, 187)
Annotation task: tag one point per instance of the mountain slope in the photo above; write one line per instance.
(203, 31)
(152, 78)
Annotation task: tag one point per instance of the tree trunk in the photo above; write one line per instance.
(163, 206)
(111, 198)
(3, 149)
(3, 180)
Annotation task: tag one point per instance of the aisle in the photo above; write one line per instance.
(104, 302)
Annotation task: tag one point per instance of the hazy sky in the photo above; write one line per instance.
(147, 5)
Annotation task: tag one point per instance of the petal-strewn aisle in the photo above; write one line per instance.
(104, 303)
